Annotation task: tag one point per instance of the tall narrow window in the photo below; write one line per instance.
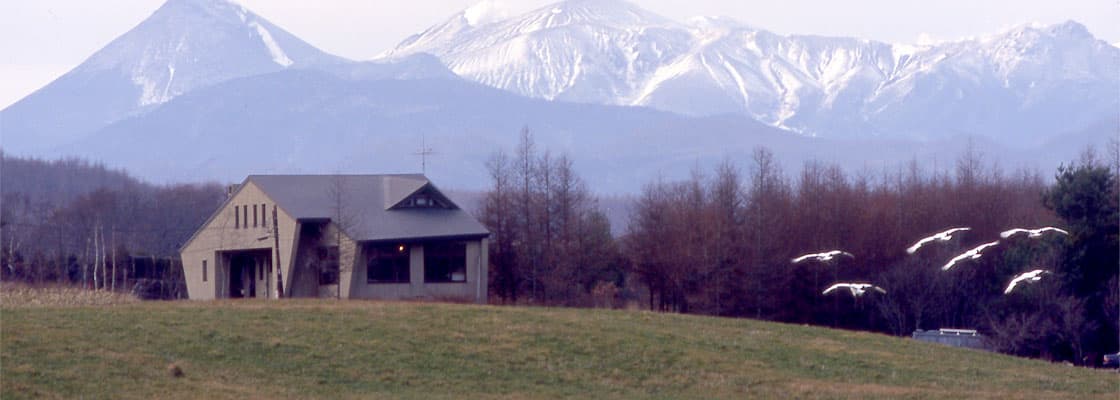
(204, 270)
(254, 215)
(264, 215)
(236, 217)
(245, 213)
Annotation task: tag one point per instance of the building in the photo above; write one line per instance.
(351, 236)
(967, 338)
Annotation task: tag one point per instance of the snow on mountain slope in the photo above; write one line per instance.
(580, 50)
(185, 44)
(1023, 84)
(612, 52)
(206, 41)
(772, 78)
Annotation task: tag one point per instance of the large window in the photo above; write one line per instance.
(388, 264)
(445, 262)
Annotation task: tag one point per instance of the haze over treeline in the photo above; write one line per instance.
(717, 243)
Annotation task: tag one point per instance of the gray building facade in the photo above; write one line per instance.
(346, 236)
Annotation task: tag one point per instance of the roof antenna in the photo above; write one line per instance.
(424, 152)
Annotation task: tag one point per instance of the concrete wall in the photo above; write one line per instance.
(221, 235)
(305, 276)
(473, 289)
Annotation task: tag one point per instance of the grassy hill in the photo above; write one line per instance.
(355, 349)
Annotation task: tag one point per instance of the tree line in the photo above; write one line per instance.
(77, 223)
(550, 242)
(721, 243)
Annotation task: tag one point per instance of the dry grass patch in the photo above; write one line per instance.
(20, 295)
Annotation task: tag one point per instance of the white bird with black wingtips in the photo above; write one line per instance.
(971, 254)
(823, 257)
(941, 237)
(856, 289)
(1031, 233)
(1033, 276)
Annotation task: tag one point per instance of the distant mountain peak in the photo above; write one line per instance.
(485, 12)
(224, 11)
(611, 12)
(1070, 27)
(190, 43)
(614, 52)
(715, 21)
(1071, 30)
(182, 46)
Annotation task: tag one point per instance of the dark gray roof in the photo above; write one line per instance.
(366, 203)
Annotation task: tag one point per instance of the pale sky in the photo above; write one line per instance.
(42, 39)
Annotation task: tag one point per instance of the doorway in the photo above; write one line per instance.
(249, 273)
(242, 276)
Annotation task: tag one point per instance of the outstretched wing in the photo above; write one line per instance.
(1011, 232)
(803, 258)
(954, 261)
(1011, 286)
(919, 244)
(981, 248)
(879, 289)
(950, 232)
(1050, 228)
(833, 287)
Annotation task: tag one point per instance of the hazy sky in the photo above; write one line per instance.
(42, 39)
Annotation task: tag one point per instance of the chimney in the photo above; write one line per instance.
(231, 189)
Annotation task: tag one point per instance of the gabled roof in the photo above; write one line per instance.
(367, 202)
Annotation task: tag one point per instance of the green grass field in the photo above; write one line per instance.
(358, 349)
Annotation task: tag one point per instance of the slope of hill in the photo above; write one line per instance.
(330, 349)
(184, 45)
(1023, 85)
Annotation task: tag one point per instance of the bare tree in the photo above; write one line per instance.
(498, 215)
(526, 173)
(343, 219)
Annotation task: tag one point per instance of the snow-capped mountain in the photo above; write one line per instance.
(1028, 83)
(184, 45)
(595, 51)
(180, 96)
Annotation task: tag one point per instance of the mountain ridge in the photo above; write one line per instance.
(815, 85)
(304, 110)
